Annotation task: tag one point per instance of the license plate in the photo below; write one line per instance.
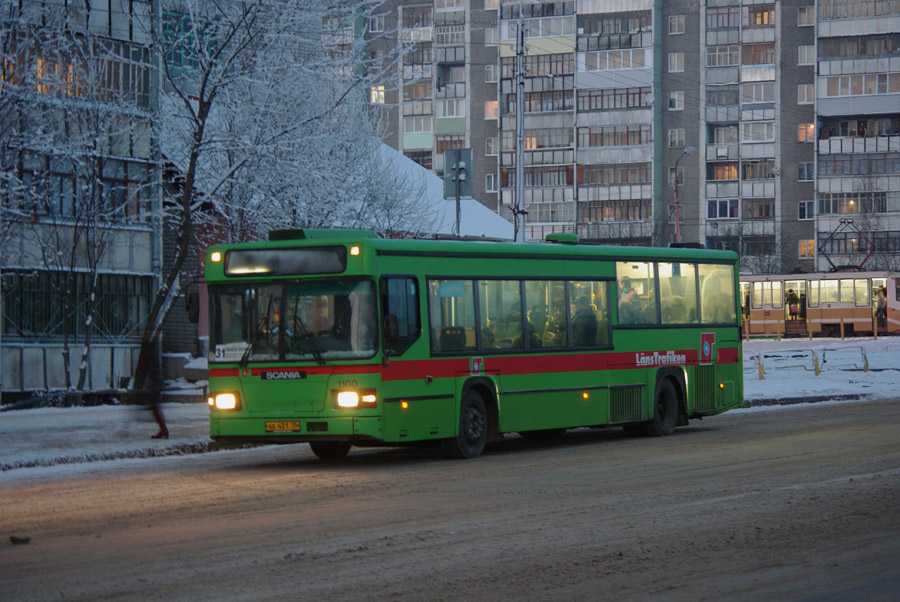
(283, 426)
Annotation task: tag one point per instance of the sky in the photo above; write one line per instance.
(69, 440)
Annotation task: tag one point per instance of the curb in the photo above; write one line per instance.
(786, 401)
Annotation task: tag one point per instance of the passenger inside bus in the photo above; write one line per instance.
(584, 323)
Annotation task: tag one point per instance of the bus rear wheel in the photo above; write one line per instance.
(665, 411)
(473, 428)
(329, 450)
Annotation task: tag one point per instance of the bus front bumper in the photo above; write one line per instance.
(294, 430)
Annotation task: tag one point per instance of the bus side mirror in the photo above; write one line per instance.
(192, 306)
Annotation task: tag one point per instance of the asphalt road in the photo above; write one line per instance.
(795, 504)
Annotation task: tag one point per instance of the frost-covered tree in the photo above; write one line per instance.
(265, 116)
(75, 112)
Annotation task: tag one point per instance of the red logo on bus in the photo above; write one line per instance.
(707, 343)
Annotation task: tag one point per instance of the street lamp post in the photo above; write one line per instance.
(687, 151)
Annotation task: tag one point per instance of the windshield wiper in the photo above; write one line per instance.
(256, 332)
(298, 321)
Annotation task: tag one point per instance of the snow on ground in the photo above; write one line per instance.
(80, 436)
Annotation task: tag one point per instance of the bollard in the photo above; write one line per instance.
(779, 327)
(875, 327)
(842, 329)
(762, 371)
(816, 363)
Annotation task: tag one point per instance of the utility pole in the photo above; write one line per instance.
(687, 151)
(519, 212)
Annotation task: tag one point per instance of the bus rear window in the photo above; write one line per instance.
(286, 262)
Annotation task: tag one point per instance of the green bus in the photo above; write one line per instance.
(340, 338)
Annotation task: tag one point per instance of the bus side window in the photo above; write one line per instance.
(717, 302)
(400, 303)
(452, 315)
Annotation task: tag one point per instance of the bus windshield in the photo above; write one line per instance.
(293, 321)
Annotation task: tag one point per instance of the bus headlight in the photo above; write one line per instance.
(225, 401)
(356, 399)
(348, 399)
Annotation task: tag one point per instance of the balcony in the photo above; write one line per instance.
(856, 144)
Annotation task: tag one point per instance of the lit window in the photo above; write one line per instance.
(377, 95)
(806, 249)
(806, 132)
(492, 109)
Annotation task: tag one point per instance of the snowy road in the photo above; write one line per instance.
(799, 503)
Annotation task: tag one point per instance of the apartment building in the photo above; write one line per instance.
(79, 230)
(761, 127)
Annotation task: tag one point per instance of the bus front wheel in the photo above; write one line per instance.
(329, 450)
(665, 411)
(473, 428)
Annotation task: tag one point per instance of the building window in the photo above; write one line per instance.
(721, 171)
(857, 85)
(722, 134)
(676, 100)
(722, 209)
(806, 132)
(758, 131)
(423, 158)
(610, 60)
(490, 182)
(762, 15)
(721, 96)
(376, 23)
(805, 172)
(490, 146)
(758, 208)
(602, 135)
(676, 24)
(806, 16)
(491, 36)
(727, 17)
(491, 74)
(723, 56)
(758, 170)
(676, 62)
(806, 94)
(490, 4)
(806, 55)
(758, 54)
(806, 249)
(673, 174)
(492, 109)
(450, 107)
(758, 92)
(676, 138)
(613, 98)
(417, 125)
(376, 95)
(806, 210)
(627, 210)
(449, 142)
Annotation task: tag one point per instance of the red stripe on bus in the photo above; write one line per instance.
(728, 355)
(520, 364)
